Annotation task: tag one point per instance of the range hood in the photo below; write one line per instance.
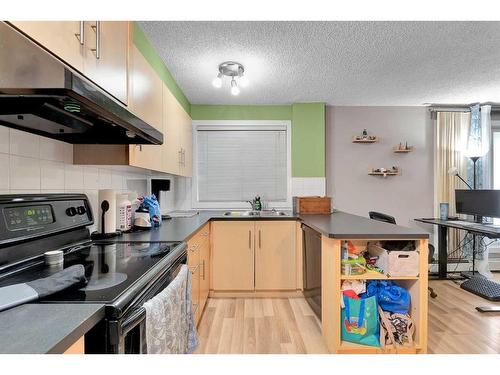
(40, 94)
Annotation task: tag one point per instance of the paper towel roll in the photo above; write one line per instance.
(110, 215)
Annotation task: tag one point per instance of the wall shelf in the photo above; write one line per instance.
(403, 151)
(371, 172)
(355, 139)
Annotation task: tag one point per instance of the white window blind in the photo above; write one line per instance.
(238, 163)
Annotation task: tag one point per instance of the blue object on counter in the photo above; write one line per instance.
(153, 206)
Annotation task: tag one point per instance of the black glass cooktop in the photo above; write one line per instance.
(110, 268)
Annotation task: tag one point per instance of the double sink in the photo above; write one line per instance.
(256, 213)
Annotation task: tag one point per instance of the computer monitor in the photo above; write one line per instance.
(478, 202)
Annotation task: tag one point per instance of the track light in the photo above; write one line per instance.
(236, 72)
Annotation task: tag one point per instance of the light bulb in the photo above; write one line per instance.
(243, 81)
(235, 90)
(217, 82)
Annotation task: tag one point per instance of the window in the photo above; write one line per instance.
(235, 161)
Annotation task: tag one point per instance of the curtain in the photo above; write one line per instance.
(451, 142)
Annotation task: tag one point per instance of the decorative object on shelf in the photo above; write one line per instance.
(403, 148)
(364, 138)
(393, 171)
(234, 70)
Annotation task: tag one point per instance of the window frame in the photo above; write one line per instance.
(254, 124)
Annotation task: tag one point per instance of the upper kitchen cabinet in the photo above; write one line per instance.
(146, 90)
(97, 49)
(106, 54)
(178, 131)
(62, 38)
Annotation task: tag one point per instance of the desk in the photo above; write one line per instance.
(486, 230)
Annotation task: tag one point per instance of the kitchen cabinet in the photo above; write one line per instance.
(254, 255)
(232, 265)
(62, 38)
(106, 56)
(198, 263)
(78, 347)
(97, 49)
(177, 154)
(275, 255)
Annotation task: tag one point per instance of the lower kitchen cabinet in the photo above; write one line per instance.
(233, 255)
(275, 259)
(198, 263)
(254, 255)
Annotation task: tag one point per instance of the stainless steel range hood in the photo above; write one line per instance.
(42, 95)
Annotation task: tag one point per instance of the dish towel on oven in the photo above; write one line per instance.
(170, 327)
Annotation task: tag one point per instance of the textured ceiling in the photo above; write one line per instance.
(340, 63)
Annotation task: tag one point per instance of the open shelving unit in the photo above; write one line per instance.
(331, 280)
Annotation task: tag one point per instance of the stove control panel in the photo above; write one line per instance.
(33, 215)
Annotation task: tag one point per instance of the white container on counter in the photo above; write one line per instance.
(123, 212)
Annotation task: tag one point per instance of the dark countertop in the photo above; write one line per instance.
(342, 225)
(339, 225)
(46, 328)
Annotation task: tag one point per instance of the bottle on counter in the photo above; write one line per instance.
(123, 212)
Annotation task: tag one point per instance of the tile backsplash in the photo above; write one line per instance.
(34, 164)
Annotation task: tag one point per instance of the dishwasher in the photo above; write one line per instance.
(311, 252)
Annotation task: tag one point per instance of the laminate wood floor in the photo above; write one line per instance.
(455, 326)
(259, 326)
(288, 325)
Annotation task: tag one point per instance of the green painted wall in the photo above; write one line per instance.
(241, 112)
(308, 140)
(308, 129)
(149, 52)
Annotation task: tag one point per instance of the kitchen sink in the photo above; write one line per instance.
(255, 213)
(241, 213)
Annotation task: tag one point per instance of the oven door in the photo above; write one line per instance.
(125, 335)
(132, 325)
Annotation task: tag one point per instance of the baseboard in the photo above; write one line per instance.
(256, 294)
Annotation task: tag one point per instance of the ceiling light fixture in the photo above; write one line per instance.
(235, 71)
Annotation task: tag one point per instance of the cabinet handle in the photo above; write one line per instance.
(249, 239)
(260, 242)
(81, 35)
(97, 49)
(203, 265)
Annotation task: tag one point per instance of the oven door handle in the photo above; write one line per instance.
(134, 319)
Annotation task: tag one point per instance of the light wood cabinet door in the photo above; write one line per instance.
(275, 255)
(145, 90)
(171, 151)
(186, 144)
(204, 272)
(194, 268)
(106, 56)
(62, 38)
(146, 101)
(232, 266)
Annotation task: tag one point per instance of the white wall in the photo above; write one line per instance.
(34, 164)
(405, 197)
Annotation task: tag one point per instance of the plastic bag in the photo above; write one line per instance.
(360, 323)
(153, 206)
(390, 296)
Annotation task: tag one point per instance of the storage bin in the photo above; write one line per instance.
(396, 263)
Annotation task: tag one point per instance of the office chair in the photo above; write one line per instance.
(391, 220)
